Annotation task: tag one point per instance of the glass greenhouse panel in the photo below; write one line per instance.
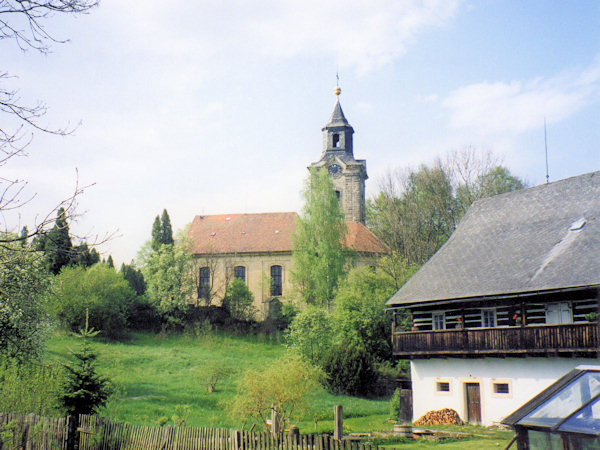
(565, 402)
(585, 421)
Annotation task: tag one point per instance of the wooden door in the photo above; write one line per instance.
(473, 403)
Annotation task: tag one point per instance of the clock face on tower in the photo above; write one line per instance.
(335, 170)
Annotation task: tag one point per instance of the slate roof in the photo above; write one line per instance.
(542, 238)
(264, 232)
(337, 118)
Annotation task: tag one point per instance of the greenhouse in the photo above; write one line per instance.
(566, 415)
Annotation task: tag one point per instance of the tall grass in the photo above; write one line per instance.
(156, 381)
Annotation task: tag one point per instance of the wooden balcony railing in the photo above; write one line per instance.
(581, 338)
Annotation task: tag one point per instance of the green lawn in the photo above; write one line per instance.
(154, 377)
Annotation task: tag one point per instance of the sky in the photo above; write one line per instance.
(216, 106)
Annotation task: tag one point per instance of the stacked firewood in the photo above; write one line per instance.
(444, 416)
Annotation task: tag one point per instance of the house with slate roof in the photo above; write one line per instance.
(508, 304)
(257, 248)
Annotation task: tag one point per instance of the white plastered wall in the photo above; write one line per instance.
(526, 377)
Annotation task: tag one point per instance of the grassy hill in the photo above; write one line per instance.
(155, 377)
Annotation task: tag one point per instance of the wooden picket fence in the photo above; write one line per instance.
(33, 432)
(95, 433)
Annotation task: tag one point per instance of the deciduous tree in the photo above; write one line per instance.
(359, 316)
(416, 211)
(99, 290)
(169, 284)
(318, 242)
(24, 289)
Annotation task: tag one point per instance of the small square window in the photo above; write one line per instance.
(442, 386)
(501, 388)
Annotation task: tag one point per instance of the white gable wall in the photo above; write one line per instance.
(526, 377)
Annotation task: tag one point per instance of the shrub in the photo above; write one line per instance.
(283, 386)
(142, 315)
(99, 289)
(280, 315)
(395, 404)
(349, 370)
(310, 334)
(239, 301)
(30, 388)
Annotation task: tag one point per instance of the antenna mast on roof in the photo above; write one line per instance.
(546, 146)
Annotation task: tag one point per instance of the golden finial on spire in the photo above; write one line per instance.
(337, 91)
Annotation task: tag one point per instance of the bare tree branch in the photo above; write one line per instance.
(25, 23)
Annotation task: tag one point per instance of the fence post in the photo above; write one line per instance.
(274, 422)
(338, 422)
(72, 424)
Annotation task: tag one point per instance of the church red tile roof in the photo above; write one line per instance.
(264, 232)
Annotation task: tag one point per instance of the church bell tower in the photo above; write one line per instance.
(348, 174)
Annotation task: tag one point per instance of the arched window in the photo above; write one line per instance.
(239, 272)
(276, 281)
(204, 282)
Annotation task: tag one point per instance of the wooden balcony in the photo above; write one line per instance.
(565, 339)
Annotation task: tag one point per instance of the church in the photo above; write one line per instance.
(257, 248)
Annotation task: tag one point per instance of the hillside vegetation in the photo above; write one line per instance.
(158, 379)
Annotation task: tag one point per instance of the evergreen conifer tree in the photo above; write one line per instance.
(110, 262)
(23, 236)
(57, 243)
(84, 390)
(156, 234)
(166, 231)
(134, 277)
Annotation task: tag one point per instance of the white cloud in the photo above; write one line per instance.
(358, 34)
(363, 35)
(490, 109)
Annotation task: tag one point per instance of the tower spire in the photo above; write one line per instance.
(348, 173)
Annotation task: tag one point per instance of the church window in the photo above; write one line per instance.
(204, 282)
(338, 194)
(276, 281)
(336, 140)
(239, 273)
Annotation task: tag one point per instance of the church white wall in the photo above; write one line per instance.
(525, 376)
